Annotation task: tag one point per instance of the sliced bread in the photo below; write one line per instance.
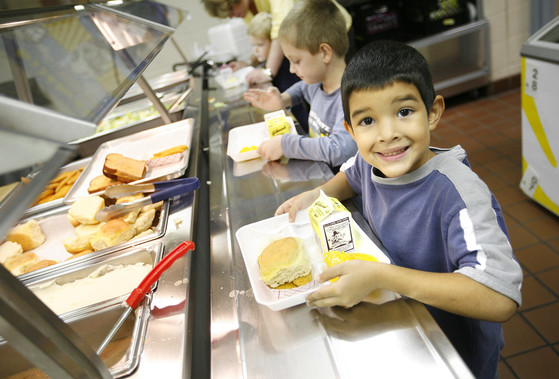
(124, 169)
(100, 183)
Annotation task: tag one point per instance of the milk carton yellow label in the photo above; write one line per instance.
(277, 123)
(332, 223)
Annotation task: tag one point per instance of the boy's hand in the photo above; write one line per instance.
(296, 203)
(271, 149)
(356, 281)
(268, 99)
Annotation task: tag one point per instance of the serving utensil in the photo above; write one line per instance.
(137, 295)
(163, 191)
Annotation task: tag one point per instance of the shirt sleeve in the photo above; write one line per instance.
(334, 149)
(480, 249)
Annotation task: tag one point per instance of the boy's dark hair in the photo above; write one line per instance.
(381, 63)
(312, 22)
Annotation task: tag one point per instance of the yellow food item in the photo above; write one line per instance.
(333, 257)
(58, 187)
(248, 148)
(170, 151)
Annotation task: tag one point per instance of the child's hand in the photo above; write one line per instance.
(356, 281)
(296, 203)
(258, 75)
(271, 149)
(268, 99)
(237, 65)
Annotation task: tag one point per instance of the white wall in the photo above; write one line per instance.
(509, 28)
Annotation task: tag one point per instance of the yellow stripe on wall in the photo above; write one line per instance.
(531, 111)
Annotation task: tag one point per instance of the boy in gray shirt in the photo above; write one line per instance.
(440, 224)
(313, 37)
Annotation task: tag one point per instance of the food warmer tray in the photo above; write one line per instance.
(139, 146)
(56, 227)
(93, 322)
(76, 165)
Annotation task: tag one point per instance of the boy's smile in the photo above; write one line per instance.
(391, 127)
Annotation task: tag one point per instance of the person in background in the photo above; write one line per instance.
(314, 39)
(247, 9)
(440, 224)
(258, 31)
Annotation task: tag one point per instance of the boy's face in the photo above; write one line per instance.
(260, 47)
(391, 127)
(310, 68)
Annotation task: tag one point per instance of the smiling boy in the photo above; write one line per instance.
(440, 224)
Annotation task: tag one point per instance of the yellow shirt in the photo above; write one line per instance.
(279, 9)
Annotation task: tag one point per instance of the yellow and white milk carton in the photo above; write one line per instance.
(277, 123)
(333, 224)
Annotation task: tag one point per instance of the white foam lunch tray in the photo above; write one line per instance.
(253, 238)
(250, 135)
(139, 146)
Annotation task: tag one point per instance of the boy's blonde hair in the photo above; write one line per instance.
(312, 22)
(219, 8)
(260, 26)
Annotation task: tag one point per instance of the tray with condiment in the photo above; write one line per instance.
(254, 238)
(244, 140)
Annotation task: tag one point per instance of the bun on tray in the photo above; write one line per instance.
(9, 250)
(85, 208)
(112, 233)
(284, 261)
(123, 169)
(18, 264)
(29, 235)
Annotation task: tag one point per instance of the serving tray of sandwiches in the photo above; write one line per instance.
(255, 238)
(156, 154)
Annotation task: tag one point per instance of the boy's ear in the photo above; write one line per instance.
(348, 128)
(326, 51)
(436, 112)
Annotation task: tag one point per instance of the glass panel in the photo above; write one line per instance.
(150, 10)
(79, 64)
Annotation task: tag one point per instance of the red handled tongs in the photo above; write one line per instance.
(138, 293)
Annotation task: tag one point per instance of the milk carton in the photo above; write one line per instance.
(333, 224)
(277, 123)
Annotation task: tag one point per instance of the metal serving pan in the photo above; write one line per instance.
(93, 322)
(139, 146)
(56, 227)
(82, 163)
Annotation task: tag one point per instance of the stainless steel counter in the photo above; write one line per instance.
(398, 339)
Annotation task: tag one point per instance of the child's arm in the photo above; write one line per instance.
(337, 187)
(269, 99)
(451, 292)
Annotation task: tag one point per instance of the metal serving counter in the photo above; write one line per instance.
(398, 339)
